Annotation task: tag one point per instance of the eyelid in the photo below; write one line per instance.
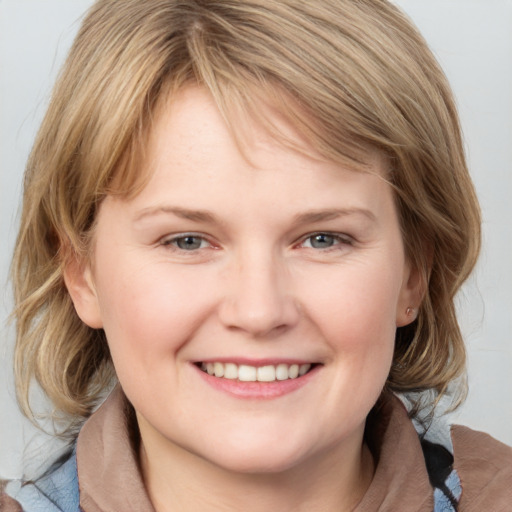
(169, 240)
(341, 238)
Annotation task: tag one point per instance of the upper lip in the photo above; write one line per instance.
(256, 362)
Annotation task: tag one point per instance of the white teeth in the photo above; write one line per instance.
(219, 369)
(282, 372)
(303, 369)
(293, 372)
(230, 371)
(266, 373)
(247, 373)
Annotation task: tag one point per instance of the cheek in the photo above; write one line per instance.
(356, 314)
(147, 311)
(356, 306)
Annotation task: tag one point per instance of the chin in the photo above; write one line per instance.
(259, 461)
(253, 454)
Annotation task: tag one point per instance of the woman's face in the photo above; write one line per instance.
(282, 275)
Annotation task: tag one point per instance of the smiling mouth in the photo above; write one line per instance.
(247, 373)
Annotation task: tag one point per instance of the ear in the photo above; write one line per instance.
(414, 286)
(80, 286)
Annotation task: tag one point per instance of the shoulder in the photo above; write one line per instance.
(57, 491)
(484, 466)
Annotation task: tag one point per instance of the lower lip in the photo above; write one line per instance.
(257, 390)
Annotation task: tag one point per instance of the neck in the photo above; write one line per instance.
(177, 479)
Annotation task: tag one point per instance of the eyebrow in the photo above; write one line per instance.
(309, 217)
(184, 213)
(323, 215)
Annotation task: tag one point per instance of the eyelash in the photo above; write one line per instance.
(173, 242)
(336, 239)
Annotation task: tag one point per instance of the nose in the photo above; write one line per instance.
(258, 298)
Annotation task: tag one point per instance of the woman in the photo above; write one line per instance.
(251, 218)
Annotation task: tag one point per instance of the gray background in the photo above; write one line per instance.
(473, 41)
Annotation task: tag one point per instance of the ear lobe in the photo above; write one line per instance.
(80, 286)
(411, 295)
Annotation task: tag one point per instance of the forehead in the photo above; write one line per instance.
(194, 156)
(258, 114)
(185, 123)
(259, 123)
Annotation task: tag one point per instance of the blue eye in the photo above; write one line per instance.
(325, 241)
(187, 242)
(322, 241)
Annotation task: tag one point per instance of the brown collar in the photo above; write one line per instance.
(110, 479)
(400, 482)
(108, 472)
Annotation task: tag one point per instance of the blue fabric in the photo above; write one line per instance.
(59, 492)
(442, 502)
(434, 433)
(55, 492)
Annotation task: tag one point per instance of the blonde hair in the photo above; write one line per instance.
(348, 75)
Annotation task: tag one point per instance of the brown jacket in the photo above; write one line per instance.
(110, 481)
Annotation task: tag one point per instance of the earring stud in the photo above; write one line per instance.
(409, 311)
